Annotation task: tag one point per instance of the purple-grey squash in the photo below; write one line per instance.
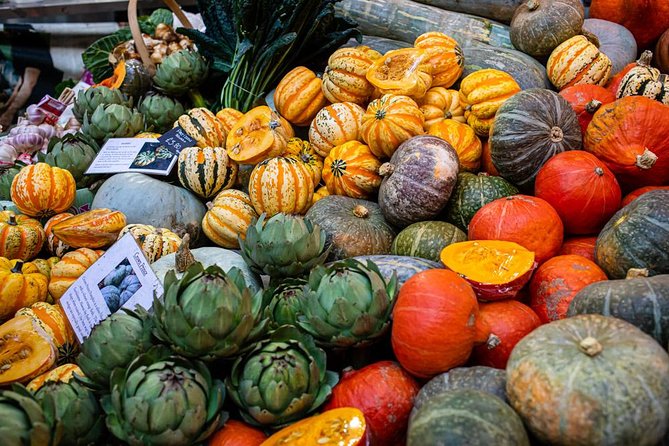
(616, 41)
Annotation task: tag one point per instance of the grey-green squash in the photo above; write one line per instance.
(403, 267)
(500, 10)
(524, 69)
(426, 239)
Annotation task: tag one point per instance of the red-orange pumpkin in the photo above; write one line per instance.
(646, 19)
(636, 193)
(384, 393)
(586, 99)
(487, 165)
(581, 246)
(557, 281)
(436, 323)
(529, 221)
(236, 433)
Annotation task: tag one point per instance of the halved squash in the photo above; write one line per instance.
(63, 373)
(94, 229)
(406, 71)
(259, 135)
(25, 351)
(343, 426)
(495, 269)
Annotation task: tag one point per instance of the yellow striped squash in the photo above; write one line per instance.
(299, 96)
(351, 169)
(54, 245)
(21, 237)
(21, 285)
(259, 135)
(281, 184)
(445, 56)
(63, 373)
(303, 151)
(334, 125)
(203, 126)
(71, 266)
(463, 139)
(53, 321)
(155, 242)
(439, 104)
(93, 229)
(40, 190)
(320, 193)
(228, 217)
(344, 77)
(228, 118)
(206, 170)
(578, 61)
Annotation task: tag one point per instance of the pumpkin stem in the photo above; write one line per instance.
(645, 59)
(590, 346)
(599, 171)
(646, 160)
(183, 257)
(592, 106)
(532, 5)
(360, 211)
(493, 341)
(209, 205)
(18, 268)
(12, 220)
(556, 134)
(635, 273)
(591, 37)
(448, 114)
(386, 169)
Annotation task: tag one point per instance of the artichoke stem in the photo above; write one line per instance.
(197, 99)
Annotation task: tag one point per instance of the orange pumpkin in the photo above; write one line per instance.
(487, 165)
(94, 229)
(40, 190)
(281, 184)
(344, 77)
(406, 71)
(445, 56)
(228, 117)
(236, 433)
(56, 246)
(334, 125)
(336, 427)
(22, 237)
(21, 285)
(258, 135)
(351, 169)
(582, 246)
(71, 266)
(439, 104)
(463, 139)
(636, 193)
(299, 96)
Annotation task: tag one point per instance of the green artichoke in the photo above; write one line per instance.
(164, 400)
(180, 72)
(347, 304)
(284, 302)
(6, 178)
(74, 409)
(113, 343)
(281, 380)
(74, 153)
(208, 314)
(112, 121)
(22, 420)
(160, 111)
(283, 246)
(87, 101)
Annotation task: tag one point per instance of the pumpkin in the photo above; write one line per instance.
(44, 265)
(54, 245)
(351, 169)
(390, 121)
(463, 139)
(155, 242)
(229, 216)
(435, 323)
(203, 126)
(52, 319)
(21, 285)
(582, 190)
(440, 104)
(402, 267)
(647, 19)
(131, 77)
(619, 136)
(321, 192)
(26, 351)
(336, 427)
(260, 134)
(22, 237)
(426, 239)
(299, 96)
(67, 271)
(384, 393)
(405, 71)
(418, 180)
(344, 76)
(644, 80)
(539, 26)
(581, 246)
(170, 207)
(228, 117)
(662, 52)
(40, 190)
(281, 184)
(495, 269)
(636, 237)
(482, 93)
(487, 165)
(334, 125)
(636, 193)
(616, 41)
(578, 61)
(586, 99)
(466, 417)
(303, 151)
(94, 229)
(471, 193)
(530, 128)
(601, 381)
(236, 433)
(353, 227)
(206, 170)
(529, 221)
(445, 56)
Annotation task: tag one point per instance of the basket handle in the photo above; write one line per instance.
(137, 33)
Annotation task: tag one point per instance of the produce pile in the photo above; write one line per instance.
(452, 231)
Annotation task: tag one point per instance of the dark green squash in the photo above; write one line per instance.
(524, 69)
(500, 10)
(466, 417)
(402, 266)
(616, 41)
(426, 239)
(641, 301)
(637, 236)
(380, 44)
(530, 128)
(471, 193)
(137, 80)
(353, 227)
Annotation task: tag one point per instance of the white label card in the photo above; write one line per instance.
(144, 155)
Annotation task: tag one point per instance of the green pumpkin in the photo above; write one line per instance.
(83, 200)
(403, 267)
(426, 239)
(137, 80)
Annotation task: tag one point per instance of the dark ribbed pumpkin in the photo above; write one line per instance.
(636, 193)
(404, 267)
(418, 180)
(353, 227)
(466, 417)
(426, 239)
(615, 41)
(636, 237)
(529, 128)
(580, 246)
(471, 193)
(590, 380)
(539, 26)
(586, 99)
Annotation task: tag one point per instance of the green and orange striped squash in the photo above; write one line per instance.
(54, 245)
(71, 266)
(22, 237)
(155, 242)
(40, 190)
(439, 104)
(334, 125)
(206, 170)
(445, 56)
(21, 285)
(299, 96)
(351, 169)
(53, 321)
(281, 184)
(203, 126)
(44, 265)
(578, 61)
(344, 77)
(260, 134)
(463, 139)
(94, 229)
(303, 151)
(229, 216)
(63, 373)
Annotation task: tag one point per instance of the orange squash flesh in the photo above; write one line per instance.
(258, 135)
(495, 269)
(25, 351)
(345, 426)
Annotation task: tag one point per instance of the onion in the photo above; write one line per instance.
(35, 114)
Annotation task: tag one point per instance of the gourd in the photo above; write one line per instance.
(298, 97)
(203, 126)
(445, 56)
(63, 373)
(26, 352)
(334, 125)
(236, 433)
(22, 237)
(644, 80)
(581, 246)
(229, 216)
(228, 117)
(67, 271)
(636, 193)
(40, 190)
(155, 242)
(21, 285)
(440, 104)
(54, 245)
(406, 72)
(206, 170)
(426, 239)
(344, 76)
(616, 41)
(662, 52)
(402, 267)
(94, 229)
(463, 139)
(345, 425)
(351, 169)
(524, 69)
(301, 150)
(281, 184)
(578, 61)
(52, 319)
(260, 134)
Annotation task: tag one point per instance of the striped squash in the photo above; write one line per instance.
(463, 139)
(93, 229)
(426, 239)
(228, 117)
(390, 121)
(319, 194)
(21, 285)
(21, 237)
(445, 56)
(54, 245)
(406, 71)
(344, 77)
(229, 216)
(259, 135)
(203, 126)
(281, 184)
(303, 151)
(52, 319)
(299, 96)
(334, 125)
(439, 104)
(71, 266)
(40, 190)
(578, 61)
(206, 170)
(44, 265)
(155, 242)
(63, 373)
(351, 169)
(644, 80)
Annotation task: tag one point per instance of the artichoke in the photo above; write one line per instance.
(112, 121)
(74, 153)
(113, 343)
(283, 246)
(208, 313)
(75, 411)
(6, 178)
(347, 304)
(180, 72)
(284, 302)
(164, 400)
(87, 101)
(160, 111)
(22, 420)
(281, 380)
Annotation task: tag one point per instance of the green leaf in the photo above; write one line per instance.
(96, 56)
(161, 15)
